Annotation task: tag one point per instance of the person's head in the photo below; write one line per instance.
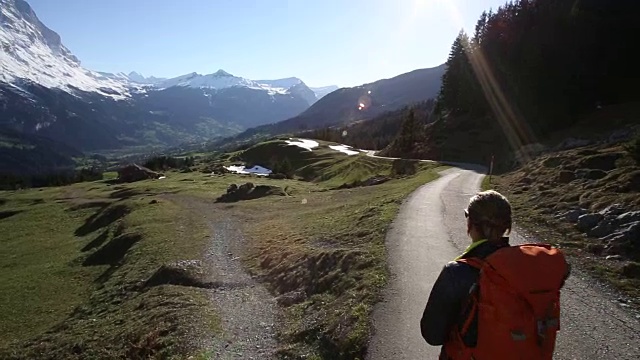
(488, 216)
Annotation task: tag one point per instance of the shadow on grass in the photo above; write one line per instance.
(113, 252)
(102, 218)
(8, 214)
(99, 240)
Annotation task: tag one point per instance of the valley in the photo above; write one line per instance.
(209, 215)
(121, 251)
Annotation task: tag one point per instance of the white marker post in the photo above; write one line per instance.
(490, 169)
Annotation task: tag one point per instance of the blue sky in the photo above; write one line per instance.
(323, 42)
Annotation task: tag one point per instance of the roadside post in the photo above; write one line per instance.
(490, 169)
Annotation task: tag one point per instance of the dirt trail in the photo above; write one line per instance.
(247, 310)
(429, 231)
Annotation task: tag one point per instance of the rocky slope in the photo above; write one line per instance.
(585, 196)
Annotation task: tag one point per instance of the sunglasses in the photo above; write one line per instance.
(466, 213)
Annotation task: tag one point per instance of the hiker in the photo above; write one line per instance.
(496, 301)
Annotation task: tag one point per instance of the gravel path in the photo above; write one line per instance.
(247, 310)
(429, 231)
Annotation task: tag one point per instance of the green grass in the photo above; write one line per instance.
(342, 233)
(34, 258)
(71, 295)
(487, 183)
(321, 165)
(66, 294)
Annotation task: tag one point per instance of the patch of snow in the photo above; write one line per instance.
(256, 170)
(303, 143)
(344, 149)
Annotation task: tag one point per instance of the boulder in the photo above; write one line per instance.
(135, 172)
(612, 210)
(566, 176)
(595, 174)
(606, 162)
(572, 215)
(581, 173)
(249, 191)
(626, 218)
(526, 181)
(219, 170)
(587, 222)
(185, 273)
(604, 228)
(245, 188)
(620, 135)
(624, 241)
(571, 143)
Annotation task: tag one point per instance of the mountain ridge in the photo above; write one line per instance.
(349, 105)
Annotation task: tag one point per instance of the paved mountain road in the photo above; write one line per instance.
(429, 231)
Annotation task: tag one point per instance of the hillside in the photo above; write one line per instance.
(31, 154)
(587, 199)
(348, 105)
(376, 133)
(110, 279)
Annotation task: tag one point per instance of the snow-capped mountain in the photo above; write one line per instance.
(281, 83)
(45, 93)
(324, 90)
(34, 53)
(141, 79)
(218, 80)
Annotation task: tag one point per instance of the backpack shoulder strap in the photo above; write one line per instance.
(474, 262)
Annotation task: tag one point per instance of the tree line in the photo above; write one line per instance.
(163, 163)
(536, 65)
(378, 132)
(11, 181)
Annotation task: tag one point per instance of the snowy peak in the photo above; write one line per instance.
(221, 73)
(281, 83)
(218, 80)
(14, 14)
(141, 79)
(34, 53)
(323, 90)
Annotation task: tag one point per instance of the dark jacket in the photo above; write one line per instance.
(450, 291)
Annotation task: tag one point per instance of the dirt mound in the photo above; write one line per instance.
(135, 172)
(184, 273)
(249, 191)
(376, 180)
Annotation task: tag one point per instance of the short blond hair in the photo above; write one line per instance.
(491, 212)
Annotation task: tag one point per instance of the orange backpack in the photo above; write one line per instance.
(517, 302)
